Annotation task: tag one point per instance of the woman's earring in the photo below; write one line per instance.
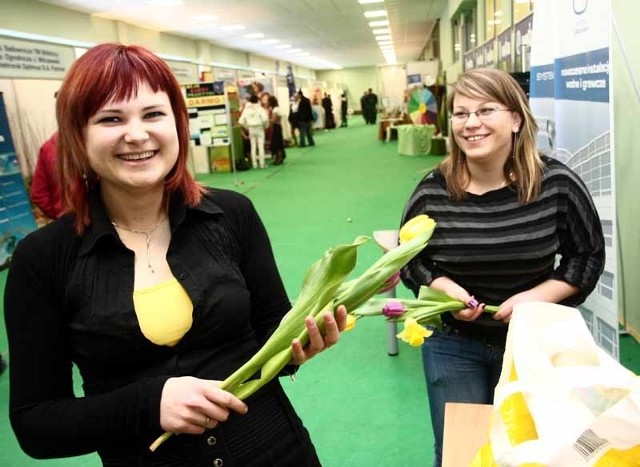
(86, 181)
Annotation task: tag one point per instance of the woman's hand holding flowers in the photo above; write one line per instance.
(474, 308)
(191, 405)
(472, 312)
(317, 341)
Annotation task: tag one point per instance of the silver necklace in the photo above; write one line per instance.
(147, 234)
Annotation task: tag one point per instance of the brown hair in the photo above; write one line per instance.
(525, 165)
(104, 73)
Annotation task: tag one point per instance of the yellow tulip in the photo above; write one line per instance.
(415, 226)
(413, 333)
(351, 323)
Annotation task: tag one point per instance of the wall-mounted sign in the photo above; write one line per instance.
(26, 59)
(184, 72)
(489, 53)
(469, 60)
(504, 51)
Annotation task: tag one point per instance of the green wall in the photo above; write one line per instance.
(356, 81)
(625, 56)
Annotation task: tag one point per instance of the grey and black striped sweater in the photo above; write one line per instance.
(495, 247)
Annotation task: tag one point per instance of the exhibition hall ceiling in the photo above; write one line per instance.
(318, 34)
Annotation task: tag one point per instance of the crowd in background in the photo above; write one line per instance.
(265, 133)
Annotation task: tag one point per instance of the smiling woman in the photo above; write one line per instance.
(154, 287)
(503, 214)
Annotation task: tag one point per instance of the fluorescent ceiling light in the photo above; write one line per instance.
(270, 41)
(375, 14)
(233, 27)
(364, 2)
(386, 47)
(204, 18)
(165, 2)
(377, 24)
(295, 51)
(381, 31)
(385, 37)
(254, 35)
(283, 46)
(385, 42)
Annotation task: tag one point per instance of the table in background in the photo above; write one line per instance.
(466, 429)
(388, 240)
(415, 140)
(385, 123)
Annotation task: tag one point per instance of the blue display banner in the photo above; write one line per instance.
(542, 79)
(583, 77)
(16, 215)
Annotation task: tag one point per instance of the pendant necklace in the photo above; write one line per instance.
(147, 234)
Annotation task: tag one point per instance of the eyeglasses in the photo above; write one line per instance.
(485, 113)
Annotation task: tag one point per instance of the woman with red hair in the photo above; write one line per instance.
(153, 286)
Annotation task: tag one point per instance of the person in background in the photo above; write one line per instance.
(155, 287)
(327, 106)
(255, 119)
(344, 105)
(503, 215)
(45, 190)
(372, 106)
(277, 140)
(364, 107)
(293, 117)
(305, 118)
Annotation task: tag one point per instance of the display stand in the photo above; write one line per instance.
(210, 124)
(415, 140)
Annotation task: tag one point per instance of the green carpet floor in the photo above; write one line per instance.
(362, 407)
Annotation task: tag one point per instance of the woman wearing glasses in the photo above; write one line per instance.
(503, 214)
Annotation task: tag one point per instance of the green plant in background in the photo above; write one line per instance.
(324, 289)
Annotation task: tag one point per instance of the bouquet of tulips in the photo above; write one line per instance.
(325, 288)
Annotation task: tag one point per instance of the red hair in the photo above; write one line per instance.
(105, 73)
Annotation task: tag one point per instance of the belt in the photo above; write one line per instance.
(491, 339)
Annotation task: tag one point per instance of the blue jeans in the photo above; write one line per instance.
(305, 132)
(458, 369)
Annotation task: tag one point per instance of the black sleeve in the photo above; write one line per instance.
(46, 416)
(582, 248)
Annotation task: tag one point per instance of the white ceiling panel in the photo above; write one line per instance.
(330, 33)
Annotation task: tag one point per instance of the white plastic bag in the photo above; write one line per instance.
(561, 400)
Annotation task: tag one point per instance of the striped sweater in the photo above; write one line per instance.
(495, 247)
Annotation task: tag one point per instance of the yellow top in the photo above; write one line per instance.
(165, 312)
